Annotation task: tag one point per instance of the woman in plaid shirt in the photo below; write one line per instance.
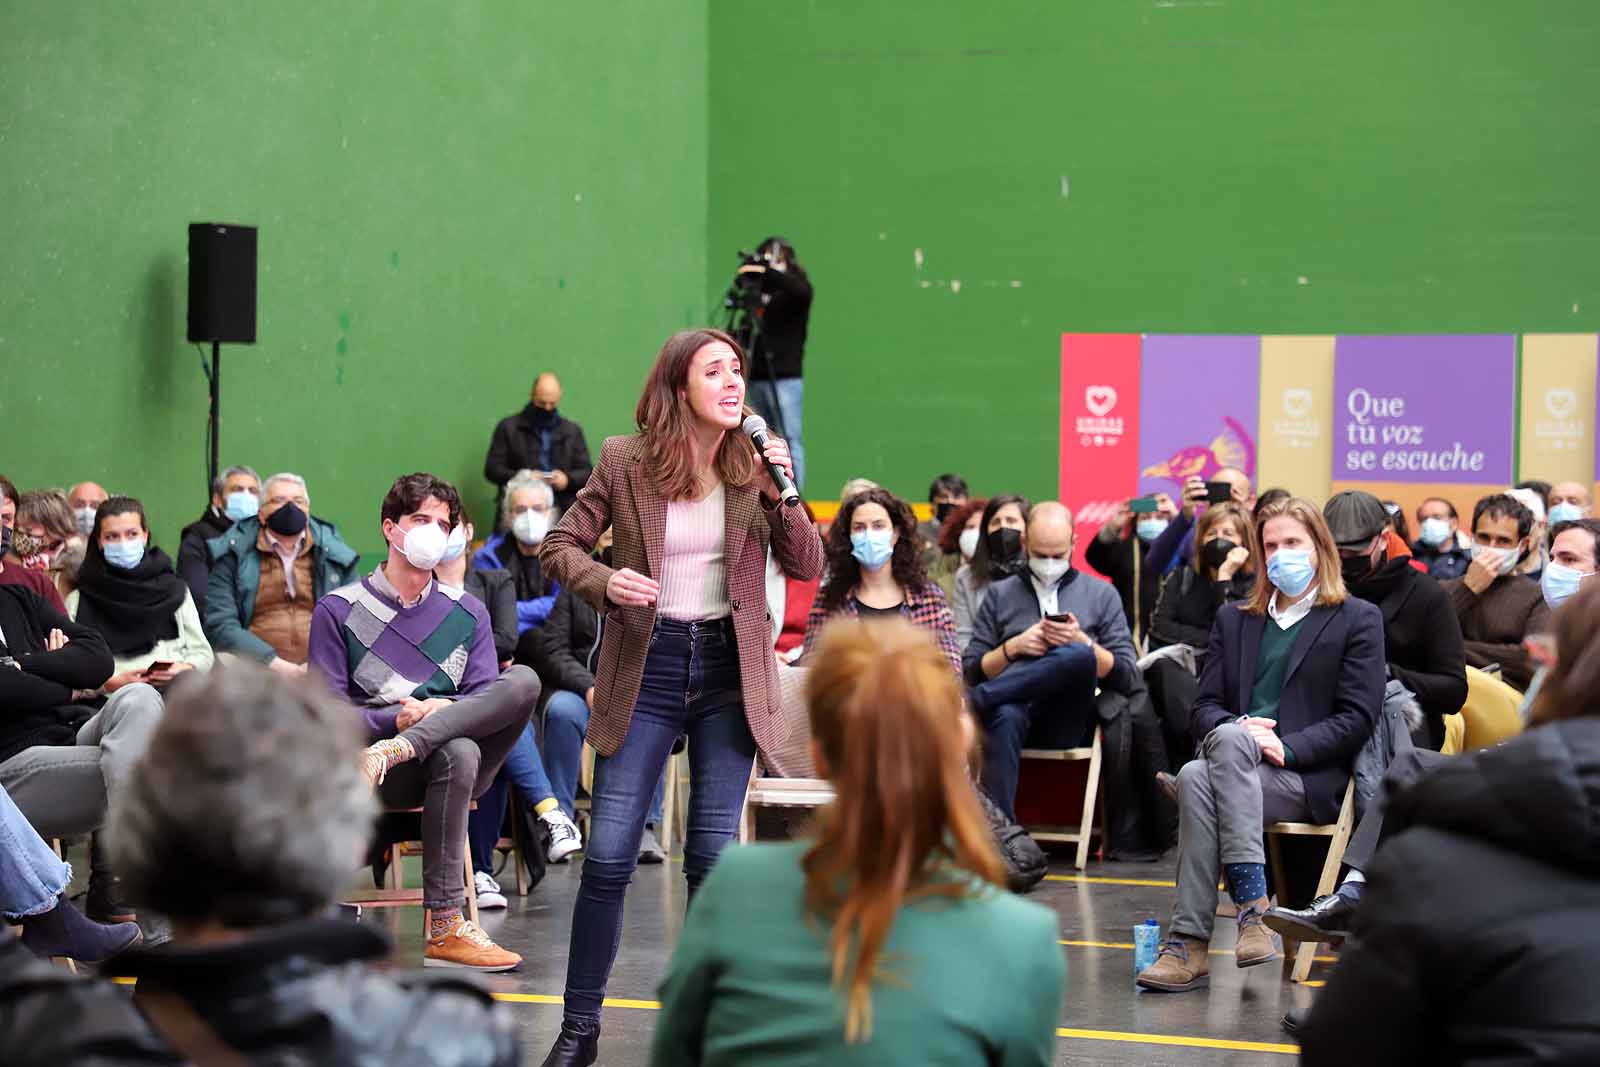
(873, 569)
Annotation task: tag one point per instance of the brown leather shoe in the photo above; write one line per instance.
(1182, 966)
(466, 946)
(1257, 944)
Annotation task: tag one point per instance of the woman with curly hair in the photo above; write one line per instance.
(874, 570)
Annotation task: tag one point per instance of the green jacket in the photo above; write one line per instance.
(236, 574)
(974, 981)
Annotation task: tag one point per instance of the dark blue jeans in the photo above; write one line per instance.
(1038, 703)
(691, 685)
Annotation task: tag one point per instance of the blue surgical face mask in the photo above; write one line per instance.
(241, 505)
(1565, 512)
(872, 548)
(1434, 532)
(1559, 583)
(454, 545)
(124, 554)
(1291, 571)
(1149, 529)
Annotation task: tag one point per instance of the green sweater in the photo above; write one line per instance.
(1272, 664)
(979, 980)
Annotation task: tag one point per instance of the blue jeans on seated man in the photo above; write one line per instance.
(524, 769)
(1047, 702)
(566, 720)
(782, 408)
(691, 685)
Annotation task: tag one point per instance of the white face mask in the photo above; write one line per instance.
(968, 542)
(84, 518)
(531, 526)
(1049, 571)
(1504, 560)
(423, 546)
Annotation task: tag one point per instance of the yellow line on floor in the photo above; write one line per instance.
(1093, 880)
(1081, 1035)
(609, 1002)
(1173, 1039)
(1214, 952)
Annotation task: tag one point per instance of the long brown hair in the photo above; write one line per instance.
(1329, 581)
(1210, 519)
(1571, 688)
(667, 422)
(886, 717)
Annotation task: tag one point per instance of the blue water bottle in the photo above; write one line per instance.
(1146, 945)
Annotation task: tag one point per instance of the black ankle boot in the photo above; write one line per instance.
(62, 931)
(104, 903)
(578, 1045)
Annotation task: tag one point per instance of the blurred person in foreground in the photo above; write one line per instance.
(246, 816)
(886, 938)
(1510, 836)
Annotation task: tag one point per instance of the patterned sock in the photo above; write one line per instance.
(441, 921)
(1246, 881)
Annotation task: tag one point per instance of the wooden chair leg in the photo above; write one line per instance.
(472, 888)
(1091, 790)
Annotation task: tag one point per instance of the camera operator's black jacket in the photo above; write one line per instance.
(783, 325)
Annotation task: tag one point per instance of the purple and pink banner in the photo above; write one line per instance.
(1198, 403)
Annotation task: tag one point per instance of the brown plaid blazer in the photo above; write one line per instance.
(620, 494)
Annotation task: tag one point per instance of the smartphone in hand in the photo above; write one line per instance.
(1219, 492)
(159, 665)
(1143, 505)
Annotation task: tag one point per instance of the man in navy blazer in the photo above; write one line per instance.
(1292, 686)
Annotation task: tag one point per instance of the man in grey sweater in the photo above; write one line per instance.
(1042, 643)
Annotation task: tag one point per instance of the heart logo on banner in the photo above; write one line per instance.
(1099, 399)
(1560, 402)
(1296, 403)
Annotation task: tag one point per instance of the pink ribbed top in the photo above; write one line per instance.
(694, 575)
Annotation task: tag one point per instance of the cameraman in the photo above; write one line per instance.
(773, 385)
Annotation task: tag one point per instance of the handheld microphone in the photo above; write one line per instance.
(756, 428)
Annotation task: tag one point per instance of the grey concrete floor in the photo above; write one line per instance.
(1123, 1025)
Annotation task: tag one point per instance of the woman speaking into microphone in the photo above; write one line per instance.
(686, 645)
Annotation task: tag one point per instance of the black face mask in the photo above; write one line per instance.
(1005, 550)
(288, 520)
(1355, 568)
(943, 511)
(1214, 553)
(543, 419)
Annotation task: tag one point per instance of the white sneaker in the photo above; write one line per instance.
(489, 894)
(564, 836)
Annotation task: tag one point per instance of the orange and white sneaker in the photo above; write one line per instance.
(466, 946)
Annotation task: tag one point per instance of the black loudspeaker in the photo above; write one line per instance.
(222, 283)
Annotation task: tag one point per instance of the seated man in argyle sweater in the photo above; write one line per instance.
(418, 659)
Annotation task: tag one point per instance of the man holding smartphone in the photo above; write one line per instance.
(1043, 643)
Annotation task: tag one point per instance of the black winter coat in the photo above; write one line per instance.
(1421, 639)
(301, 993)
(194, 559)
(1189, 604)
(568, 641)
(495, 589)
(1117, 561)
(514, 446)
(36, 696)
(1476, 938)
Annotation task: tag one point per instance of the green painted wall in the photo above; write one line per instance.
(451, 197)
(1106, 165)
